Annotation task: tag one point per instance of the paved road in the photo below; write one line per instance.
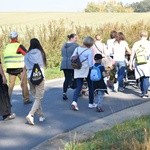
(18, 135)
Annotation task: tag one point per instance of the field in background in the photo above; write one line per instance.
(52, 28)
(88, 19)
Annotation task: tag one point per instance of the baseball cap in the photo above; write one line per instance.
(13, 34)
(98, 56)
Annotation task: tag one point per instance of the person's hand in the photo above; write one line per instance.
(131, 67)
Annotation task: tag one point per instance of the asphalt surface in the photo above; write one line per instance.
(18, 135)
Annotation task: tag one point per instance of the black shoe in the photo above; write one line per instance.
(99, 109)
(10, 117)
(27, 102)
(65, 97)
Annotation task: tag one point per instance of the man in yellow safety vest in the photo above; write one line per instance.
(14, 63)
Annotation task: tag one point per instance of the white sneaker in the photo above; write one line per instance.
(30, 119)
(92, 105)
(74, 106)
(116, 87)
(41, 119)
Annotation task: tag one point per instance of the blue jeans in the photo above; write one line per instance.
(79, 87)
(144, 84)
(120, 69)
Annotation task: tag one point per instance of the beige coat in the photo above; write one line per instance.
(83, 72)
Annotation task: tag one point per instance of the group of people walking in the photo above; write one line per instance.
(111, 56)
(19, 62)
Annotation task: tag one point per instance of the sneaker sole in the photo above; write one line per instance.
(42, 120)
(29, 121)
(74, 108)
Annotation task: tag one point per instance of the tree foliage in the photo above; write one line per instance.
(143, 6)
(107, 7)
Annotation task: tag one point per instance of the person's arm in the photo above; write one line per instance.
(104, 72)
(21, 50)
(132, 58)
(90, 58)
(128, 49)
(3, 74)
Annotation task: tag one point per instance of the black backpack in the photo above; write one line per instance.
(36, 76)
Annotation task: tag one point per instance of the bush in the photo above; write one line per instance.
(54, 34)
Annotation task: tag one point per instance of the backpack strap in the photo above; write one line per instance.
(98, 48)
(81, 53)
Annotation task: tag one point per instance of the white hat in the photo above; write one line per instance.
(13, 35)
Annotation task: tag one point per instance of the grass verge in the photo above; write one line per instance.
(53, 73)
(130, 135)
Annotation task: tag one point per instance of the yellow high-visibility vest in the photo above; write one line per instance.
(11, 58)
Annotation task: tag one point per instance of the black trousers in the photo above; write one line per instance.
(68, 74)
(5, 105)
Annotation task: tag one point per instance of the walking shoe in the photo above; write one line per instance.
(145, 96)
(74, 106)
(41, 119)
(65, 97)
(121, 89)
(99, 109)
(27, 102)
(140, 94)
(30, 119)
(10, 117)
(116, 87)
(92, 105)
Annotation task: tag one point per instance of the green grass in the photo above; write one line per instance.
(130, 135)
(53, 73)
(50, 73)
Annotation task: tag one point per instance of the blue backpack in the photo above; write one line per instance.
(95, 74)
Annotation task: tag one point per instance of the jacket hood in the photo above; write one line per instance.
(67, 45)
(33, 57)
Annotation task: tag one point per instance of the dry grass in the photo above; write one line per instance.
(52, 28)
(89, 19)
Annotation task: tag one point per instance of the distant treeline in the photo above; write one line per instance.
(113, 6)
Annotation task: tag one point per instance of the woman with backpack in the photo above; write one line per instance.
(139, 61)
(35, 55)
(86, 59)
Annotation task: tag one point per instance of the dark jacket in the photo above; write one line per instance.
(100, 84)
(5, 105)
(66, 52)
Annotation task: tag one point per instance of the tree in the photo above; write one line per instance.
(92, 7)
(143, 6)
(107, 7)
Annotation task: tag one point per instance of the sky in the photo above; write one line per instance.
(48, 5)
